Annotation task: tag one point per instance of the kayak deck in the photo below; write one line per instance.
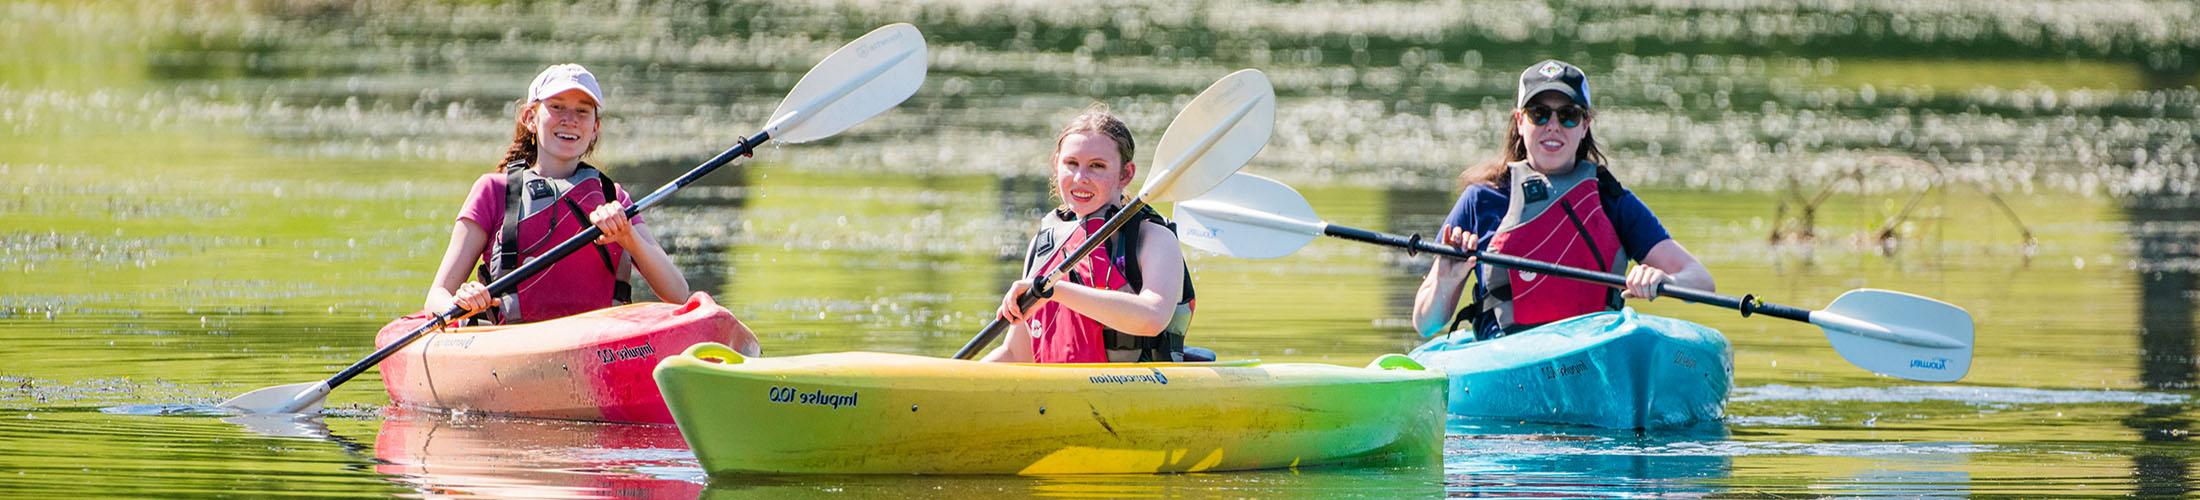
(1614, 369)
(900, 414)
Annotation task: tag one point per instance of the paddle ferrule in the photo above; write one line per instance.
(1750, 304)
(1413, 244)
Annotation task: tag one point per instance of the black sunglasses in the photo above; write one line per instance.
(1569, 116)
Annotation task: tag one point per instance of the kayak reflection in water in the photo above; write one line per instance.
(1128, 301)
(1549, 196)
(535, 199)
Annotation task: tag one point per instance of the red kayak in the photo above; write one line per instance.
(590, 366)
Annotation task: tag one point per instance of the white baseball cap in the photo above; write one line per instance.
(564, 77)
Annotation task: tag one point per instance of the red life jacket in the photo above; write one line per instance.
(1559, 219)
(1060, 335)
(538, 215)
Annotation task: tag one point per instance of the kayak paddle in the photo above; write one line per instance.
(862, 79)
(1210, 139)
(1887, 332)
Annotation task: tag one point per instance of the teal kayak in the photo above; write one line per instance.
(1619, 370)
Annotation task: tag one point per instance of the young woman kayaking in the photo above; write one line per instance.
(1549, 196)
(1129, 301)
(539, 196)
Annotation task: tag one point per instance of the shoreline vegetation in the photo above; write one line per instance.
(2088, 98)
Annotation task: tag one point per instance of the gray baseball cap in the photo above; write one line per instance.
(1553, 75)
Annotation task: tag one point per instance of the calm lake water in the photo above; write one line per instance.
(210, 198)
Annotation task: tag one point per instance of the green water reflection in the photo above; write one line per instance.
(209, 198)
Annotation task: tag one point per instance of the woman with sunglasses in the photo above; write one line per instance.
(1549, 196)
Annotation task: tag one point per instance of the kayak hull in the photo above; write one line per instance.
(590, 366)
(875, 413)
(1617, 370)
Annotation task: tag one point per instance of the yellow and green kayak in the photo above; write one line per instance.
(875, 413)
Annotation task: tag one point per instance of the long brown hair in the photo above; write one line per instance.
(523, 146)
(1495, 173)
(1096, 118)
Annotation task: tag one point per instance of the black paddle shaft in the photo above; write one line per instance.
(1092, 242)
(1747, 304)
(511, 281)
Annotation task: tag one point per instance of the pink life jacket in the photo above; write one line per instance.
(537, 217)
(1559, 219)
(1121, 260)
(1058, 334)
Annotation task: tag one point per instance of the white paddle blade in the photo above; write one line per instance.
(1212, 137)
(293, 398)
(1248, 216)
(1899, 334)
(864, 78)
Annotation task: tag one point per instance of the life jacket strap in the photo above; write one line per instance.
(507, 257)
(1612, 299)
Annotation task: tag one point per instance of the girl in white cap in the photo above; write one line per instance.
(538, 197)
(1549, 196)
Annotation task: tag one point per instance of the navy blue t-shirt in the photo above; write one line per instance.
(1482, 208)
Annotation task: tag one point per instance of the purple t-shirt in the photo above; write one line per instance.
(1482, 209)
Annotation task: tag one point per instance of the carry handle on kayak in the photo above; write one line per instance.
(1213, 137)
(866, 77)
(1887, 332)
